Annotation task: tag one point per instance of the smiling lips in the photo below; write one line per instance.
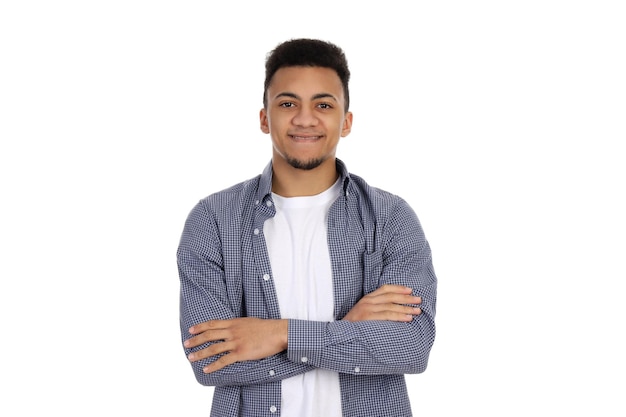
(305, 138)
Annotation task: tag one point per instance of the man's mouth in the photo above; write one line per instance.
(305, 138)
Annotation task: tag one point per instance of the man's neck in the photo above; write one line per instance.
(288, 181)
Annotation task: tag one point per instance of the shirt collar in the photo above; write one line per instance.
(265, 183)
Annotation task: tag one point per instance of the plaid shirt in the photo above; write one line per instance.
(374, 238)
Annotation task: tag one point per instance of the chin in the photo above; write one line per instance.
(305, 165)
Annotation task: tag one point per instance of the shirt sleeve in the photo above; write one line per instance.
(379, 347)
(206, 295)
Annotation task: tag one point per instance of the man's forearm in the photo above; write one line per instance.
(365, 347)
(241, 351)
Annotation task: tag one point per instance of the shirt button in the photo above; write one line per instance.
(304, 359)
(273, 409)
(266, 277)
(256, 231)
(269, 203)
(256, 202)
(357, 369)
(272, 373)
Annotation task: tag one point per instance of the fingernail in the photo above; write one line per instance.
(191, 357)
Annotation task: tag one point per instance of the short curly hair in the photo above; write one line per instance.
(308, 53)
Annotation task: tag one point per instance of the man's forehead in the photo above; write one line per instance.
(312, 80)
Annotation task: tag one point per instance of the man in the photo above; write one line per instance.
(305, 292)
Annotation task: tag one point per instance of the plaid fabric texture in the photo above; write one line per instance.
(374, 238)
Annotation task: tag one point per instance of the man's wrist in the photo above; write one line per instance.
(283, 331)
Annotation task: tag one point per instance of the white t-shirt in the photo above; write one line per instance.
(298, 250)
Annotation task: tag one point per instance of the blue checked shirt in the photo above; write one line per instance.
(374, 238)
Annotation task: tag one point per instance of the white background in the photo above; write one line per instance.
(501, 122)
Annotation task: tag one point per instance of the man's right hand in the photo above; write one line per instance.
(388, 302)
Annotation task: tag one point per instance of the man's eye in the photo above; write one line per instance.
(325, 106)
(287, 105)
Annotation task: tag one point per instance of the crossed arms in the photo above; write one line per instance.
(248, 338)
(389, 330)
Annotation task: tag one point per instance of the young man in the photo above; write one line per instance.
(305, 291)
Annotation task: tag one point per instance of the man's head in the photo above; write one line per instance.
(305, 104)
(307, 53)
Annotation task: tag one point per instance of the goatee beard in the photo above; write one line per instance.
(305, 165)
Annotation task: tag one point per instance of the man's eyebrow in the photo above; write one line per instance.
(297, 97)
(324, 95)
(287, 94)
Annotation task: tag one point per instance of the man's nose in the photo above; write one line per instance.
(305, 117)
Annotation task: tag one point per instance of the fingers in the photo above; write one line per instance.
(393, 288)
(393, 306)
(214, 349)
(389, 302)
(390, 289)
(211, 331)
(392, 294)
(394, 312)
(395, 309)
(208, 325)
(392, 298)
(206, 336)
(219, 363)
(230, 356)
(365, 310)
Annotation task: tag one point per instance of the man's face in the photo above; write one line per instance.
(305, 115)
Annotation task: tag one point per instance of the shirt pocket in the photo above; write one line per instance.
(372, 270)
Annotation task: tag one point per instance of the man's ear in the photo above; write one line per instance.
(265, 127)
(347, 125)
